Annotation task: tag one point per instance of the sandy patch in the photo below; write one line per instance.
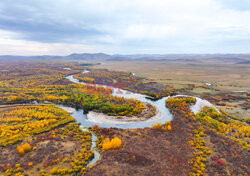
(103, 118)
(200, 104)
(68, 109)
(128, 94)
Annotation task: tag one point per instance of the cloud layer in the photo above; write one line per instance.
(117, 26)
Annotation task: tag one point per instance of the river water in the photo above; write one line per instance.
(159, 104)
(164, 112)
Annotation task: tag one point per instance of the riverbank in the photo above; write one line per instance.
(103, 118)
(70, 110)
(162, 113)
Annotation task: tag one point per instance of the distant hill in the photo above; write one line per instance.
(180, 58)
(88, 56)
(244, 62)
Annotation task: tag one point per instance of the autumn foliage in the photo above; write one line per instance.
(28, 120)
(125, 81)
(223, 124)
(46, 82)
(228, 137)
(164, 127)
(23, 149)
(114, 143)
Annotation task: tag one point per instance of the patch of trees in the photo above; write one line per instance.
(212, 127)
(26, 121)
(223, 124)
(126, 81)
(167, 126)
(45, 153)
(88, 97)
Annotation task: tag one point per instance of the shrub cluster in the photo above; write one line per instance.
(114, 143)
(23, 149)
(165, 127)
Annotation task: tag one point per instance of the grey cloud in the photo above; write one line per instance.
(32, 23)
(126, 26)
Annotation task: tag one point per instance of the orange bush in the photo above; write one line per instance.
(20, 150)
(167, 126)
(114, 143)
(157, 126)
(25, 148)
(52, 98)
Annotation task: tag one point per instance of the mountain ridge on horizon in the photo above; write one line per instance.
(232, 58)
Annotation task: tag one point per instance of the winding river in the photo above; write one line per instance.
(163, 113)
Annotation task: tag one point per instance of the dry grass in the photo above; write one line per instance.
(224, 77)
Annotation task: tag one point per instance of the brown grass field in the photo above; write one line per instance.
(225, 78)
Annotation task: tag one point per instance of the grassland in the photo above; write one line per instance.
(191, 78)
(224, 77)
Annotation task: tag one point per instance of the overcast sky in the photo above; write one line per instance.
(61, 27)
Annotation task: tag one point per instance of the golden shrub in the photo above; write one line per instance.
(157, 126)
(164, 127)
(106, 146)
(20, 150)
(114, 143)
(167, 123)
(169, 127)
(52, 98)
(26, 147)
(106, 140)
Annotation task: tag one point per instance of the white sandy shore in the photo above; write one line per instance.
(127, 94)
(103, 118)
(199, 105)
(68, 109)
(67, 68)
